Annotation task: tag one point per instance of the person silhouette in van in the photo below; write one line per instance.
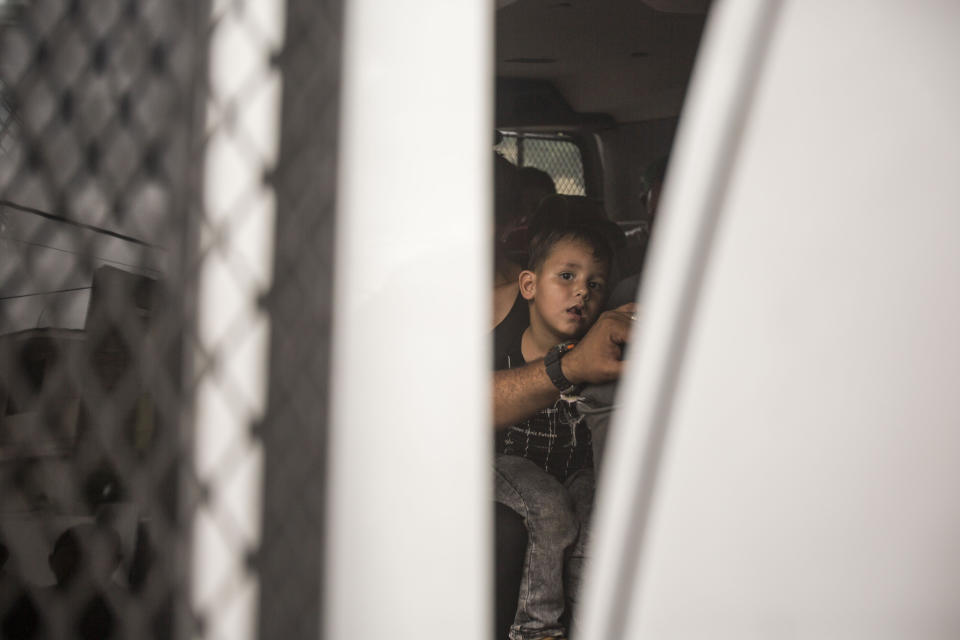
(532, 185)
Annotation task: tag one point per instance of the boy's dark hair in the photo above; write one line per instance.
(571, 218)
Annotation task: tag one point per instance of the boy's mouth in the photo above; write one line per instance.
(576, 310)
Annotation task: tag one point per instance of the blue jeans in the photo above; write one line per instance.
(556, 516)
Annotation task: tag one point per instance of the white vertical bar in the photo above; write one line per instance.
(408, 550)
(722, 83)
(237, 235)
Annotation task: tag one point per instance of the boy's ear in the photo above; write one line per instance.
(528, 284)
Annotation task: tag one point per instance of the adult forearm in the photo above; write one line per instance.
(521, 392)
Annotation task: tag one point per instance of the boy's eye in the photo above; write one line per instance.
(595, 285)
(566, 275)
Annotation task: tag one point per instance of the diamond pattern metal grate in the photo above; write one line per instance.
(165, 225)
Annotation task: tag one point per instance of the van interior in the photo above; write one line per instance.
(610, 76)
(591, 93)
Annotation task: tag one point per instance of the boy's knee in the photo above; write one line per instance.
(544, 503)
(561, 523)
(553, 513)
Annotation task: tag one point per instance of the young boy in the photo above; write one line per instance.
(544, 467)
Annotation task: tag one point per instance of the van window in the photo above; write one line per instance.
(556, 154)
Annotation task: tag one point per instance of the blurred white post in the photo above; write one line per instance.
(408, 550)
(238, 236)
(786, 461)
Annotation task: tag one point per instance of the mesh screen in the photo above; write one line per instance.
(150, 487)
(560, 158)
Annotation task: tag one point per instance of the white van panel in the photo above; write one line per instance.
(409, 518)
(807, 481)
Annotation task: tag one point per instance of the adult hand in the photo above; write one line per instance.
(597, 357)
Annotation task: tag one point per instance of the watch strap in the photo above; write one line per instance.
(554, 371)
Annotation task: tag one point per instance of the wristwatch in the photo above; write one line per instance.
(552, 363)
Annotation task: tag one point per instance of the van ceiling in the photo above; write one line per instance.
(619, 57)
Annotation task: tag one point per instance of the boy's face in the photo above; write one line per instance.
(568, 289)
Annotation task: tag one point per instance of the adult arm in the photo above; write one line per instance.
(521, 392)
